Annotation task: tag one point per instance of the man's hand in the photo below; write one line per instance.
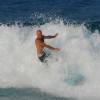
(56, 35)
(57, 49)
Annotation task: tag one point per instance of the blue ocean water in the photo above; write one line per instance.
(41, 11)
(78, 21)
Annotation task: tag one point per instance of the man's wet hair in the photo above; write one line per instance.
(39, 30)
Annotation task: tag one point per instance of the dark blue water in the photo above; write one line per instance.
(41, 11)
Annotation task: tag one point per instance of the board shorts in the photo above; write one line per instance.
(43, 57)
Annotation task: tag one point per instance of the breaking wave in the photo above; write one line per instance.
(76, 71)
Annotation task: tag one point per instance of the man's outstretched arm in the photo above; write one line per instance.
(50, 47)
(50, 37)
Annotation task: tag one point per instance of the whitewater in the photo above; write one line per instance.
(80, 54)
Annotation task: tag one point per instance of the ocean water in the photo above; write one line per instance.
(71, 74)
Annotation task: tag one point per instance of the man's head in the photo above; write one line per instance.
(39, 33)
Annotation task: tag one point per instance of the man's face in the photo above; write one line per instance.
(39, 33)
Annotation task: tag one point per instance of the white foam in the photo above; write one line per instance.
(80, 52)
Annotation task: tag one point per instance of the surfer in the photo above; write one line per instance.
(40, 45)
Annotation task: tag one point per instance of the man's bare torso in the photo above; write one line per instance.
(39, 45)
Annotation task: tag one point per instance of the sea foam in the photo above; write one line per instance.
(79, 55)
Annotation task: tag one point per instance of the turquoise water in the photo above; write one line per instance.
(27, 94)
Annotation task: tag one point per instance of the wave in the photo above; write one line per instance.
(79, 56)
(40, 19)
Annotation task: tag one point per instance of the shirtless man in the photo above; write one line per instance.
(40, 45)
